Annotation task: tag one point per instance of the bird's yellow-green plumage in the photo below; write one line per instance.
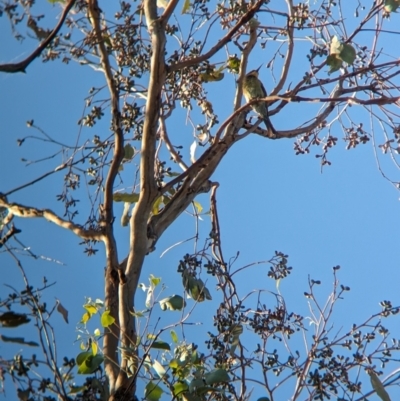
(253, 89)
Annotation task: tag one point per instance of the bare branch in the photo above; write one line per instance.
(43, 176)
(289, 52)
(174, 154)
(216, 246)
(346, 99)
(243, 66)
(22, 65)
(30, 212)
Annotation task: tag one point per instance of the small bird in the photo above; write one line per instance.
(252, 89)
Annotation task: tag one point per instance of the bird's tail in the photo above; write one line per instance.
(270, 128)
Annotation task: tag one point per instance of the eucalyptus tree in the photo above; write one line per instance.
(327, 71)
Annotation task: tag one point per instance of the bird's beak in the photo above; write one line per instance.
(258, 69)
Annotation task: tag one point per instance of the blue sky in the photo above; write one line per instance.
(268, 199)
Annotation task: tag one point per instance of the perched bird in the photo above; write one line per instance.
(252, 89)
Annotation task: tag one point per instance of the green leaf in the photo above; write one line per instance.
(334, 62)
(159, 369)
(217, 376)
(123, 197)
(76, 389)
(157, 205)
(97, 332)
(91, 308)
(348, 54)
(179, 387)
(94, 348)
(340, 52)
(378, 386)
(336, 46)
(174, 336)
(195, 358)
(154, 280)
(90, 364)
(129, 152)
(186, 6)
(175, 302)
(82, 357)
(198, 291)
(153, 392)
(85, 317)
(198, 206)
(106, 319)
(196, 384)
(137, 314)
(191, 397)
(18, 340)
(160, 345)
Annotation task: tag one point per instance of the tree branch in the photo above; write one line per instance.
(221, 43)
(43, 176)
(148, 187)
(348, 99)
(112, 282)
(168, 11)
(196, 181)
(30, 212)
(9, 234)
(218, 148)
(174, 154)
(22, 65)
(253, 24)
(299, 131)
(289, 52)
